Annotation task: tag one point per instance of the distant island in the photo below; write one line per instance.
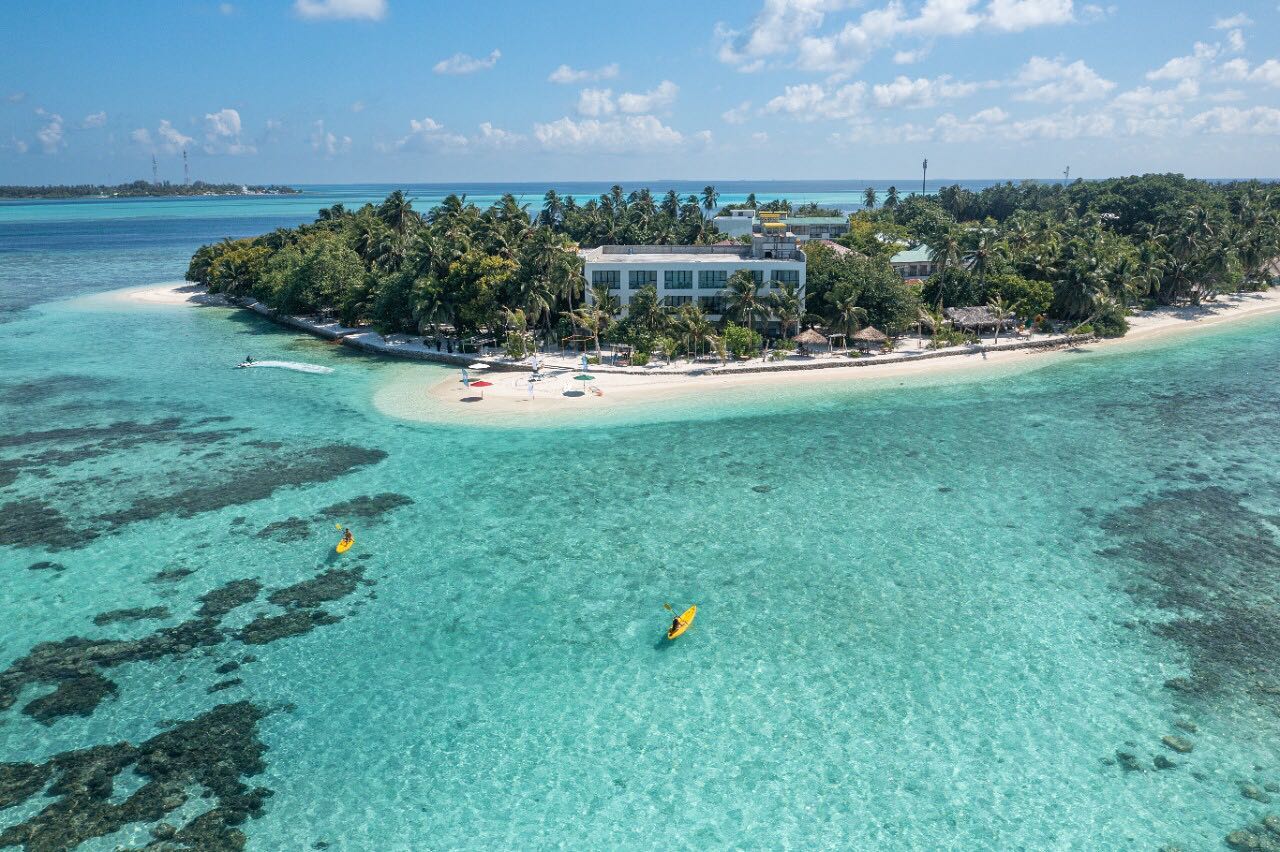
(142, 188)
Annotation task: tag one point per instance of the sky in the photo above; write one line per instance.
(343, 91)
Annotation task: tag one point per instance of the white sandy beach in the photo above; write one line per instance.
(508, 400)
(417, 393)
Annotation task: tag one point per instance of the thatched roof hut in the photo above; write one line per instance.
(869, 338)
(976, 318)
(813, 341)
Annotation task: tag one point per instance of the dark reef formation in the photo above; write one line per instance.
(213, 751)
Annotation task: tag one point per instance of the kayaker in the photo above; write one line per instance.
(346, 536)
(676, 624)
(248, 359)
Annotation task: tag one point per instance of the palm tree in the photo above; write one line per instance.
(944, 248)
(397, 212)
(671, 204)
(693, 327)
(869, 198)
(785, 304)
(984, 249)
(1001, 310)
(552, 209)
(742, 298)
(891, 198)
(848, 313)
(710, 198)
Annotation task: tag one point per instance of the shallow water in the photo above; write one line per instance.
(931, 612)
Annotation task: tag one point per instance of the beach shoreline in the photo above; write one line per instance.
(418, 396)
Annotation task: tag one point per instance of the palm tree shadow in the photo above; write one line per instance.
(574, 393)
(472, 398)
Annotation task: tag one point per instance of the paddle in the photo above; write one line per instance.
(672, 610)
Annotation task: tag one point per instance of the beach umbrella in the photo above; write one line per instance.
(482, 384)
(584, 377)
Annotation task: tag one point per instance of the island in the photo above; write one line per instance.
(635, 279)
(143, 189)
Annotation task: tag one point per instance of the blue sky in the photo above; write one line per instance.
(408, 90)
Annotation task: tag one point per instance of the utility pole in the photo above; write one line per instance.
(924, 176)
(1066, 175)
(186, 169)
(155, 179)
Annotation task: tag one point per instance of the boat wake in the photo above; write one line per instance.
(296, 366)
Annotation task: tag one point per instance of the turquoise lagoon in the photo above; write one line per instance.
(931, 611)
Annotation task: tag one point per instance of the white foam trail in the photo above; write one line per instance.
(291, 365)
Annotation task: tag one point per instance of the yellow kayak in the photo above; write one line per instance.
(344, 546)
(686, 619)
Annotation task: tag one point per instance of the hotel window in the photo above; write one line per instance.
(609, 278)
(785, 276)
(711, 304)
(677, 279)
(758, 274)
(676, 301)
(712, 279)
(638, 278)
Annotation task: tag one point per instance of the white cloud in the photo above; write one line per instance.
(703, 137)
(1255, 121)
(15, 97)
(357, 106)
(1016, 15)
(95, 119)
(910, 57)
(1268, 73)
(371, 10)
(565, 74)
(1236, 21)
(224, 123)
(427, 134)
(1181, 67)
(222, 133)
(1056, 81)
(1235, 40)
(171, 139)
(461, 63)
(774, 31)
(18, 145)
(226, 8)
(810, 101)
(50, 135)
(921, 92)
(760, 137)
(327, 143)
(1061, 125)
(654, 99)
(1145, 98)
(737, 115)
(793, 26)
(496, 137)
(634, 133)
(596, 102)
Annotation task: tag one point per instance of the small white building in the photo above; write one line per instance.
(695, 274)
(737, 224)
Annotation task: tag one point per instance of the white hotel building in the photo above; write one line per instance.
(695, 274)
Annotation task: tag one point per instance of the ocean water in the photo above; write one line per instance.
(949, 613)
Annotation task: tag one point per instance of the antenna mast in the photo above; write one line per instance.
(1066, 175)
(924, 176)
(155, 179)
(186, 169)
